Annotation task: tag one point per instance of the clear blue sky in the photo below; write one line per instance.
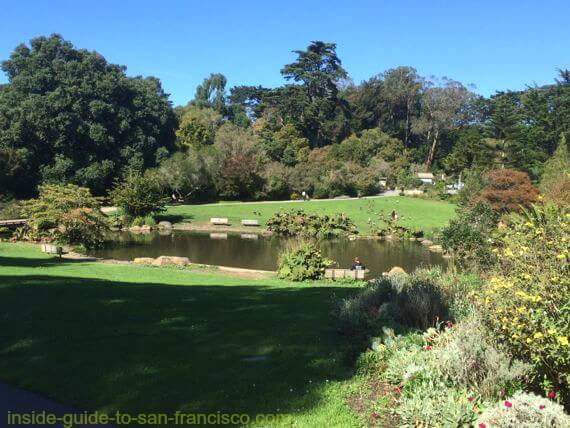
(496, 45)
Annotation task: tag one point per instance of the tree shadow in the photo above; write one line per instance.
(33, 263)
(174, 218)
(144, 347)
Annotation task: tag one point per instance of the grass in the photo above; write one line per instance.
(142, 339)
(424, 214)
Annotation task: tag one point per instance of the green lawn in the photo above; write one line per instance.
(413, 212)
(142, 339)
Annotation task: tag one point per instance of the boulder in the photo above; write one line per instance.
(165, 225)
(427, 242)
(397, 270)
(435, 248)
(171, 260)
(143, 261)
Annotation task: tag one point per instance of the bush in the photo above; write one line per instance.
(67, 213)
(445, 374)
(555, 182)
(526, 303)
(302, 261)
(408, 300)
(467, 237)
(524, 411)
(508, 190)
(82, 226)
(300, 223)
(138, 196)
(10, 210)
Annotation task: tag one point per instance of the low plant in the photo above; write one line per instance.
(300, 223)
(302, 261)
(382, 224)
(524, 410)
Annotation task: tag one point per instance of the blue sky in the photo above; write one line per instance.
(494, 45)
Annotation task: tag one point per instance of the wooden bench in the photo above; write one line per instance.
(250, 223)
(346, 273)
(52, 249)
(219, 221)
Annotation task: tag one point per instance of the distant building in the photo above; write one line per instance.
(425, 177)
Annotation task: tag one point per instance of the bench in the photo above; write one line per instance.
(220, 221)
(250, 223)
(52, 249)
(346, 273)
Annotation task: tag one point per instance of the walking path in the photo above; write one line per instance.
(15, 402)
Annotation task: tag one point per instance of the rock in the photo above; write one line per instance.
(427, 242)
(165, 225)
(170, 260)
(435, 248)
(397, 270)
(143, 261)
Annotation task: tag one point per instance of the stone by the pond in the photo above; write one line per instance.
(436, 248)
(171, 260)
(427, 242)
(165, 225)
(143, 261)
(397, 270)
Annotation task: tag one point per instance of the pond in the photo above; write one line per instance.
(257, 252)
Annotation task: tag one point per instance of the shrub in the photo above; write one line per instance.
(382, 224)
(138, 196)
(302, 261)
(67, 213)
(408, 300)
(467, 237)
(300, 223)
(524, 410)
(10, 210)
(82, 226)
(508, 190)
(526, 303)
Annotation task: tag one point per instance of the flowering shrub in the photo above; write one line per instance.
(300, 223)
(526, 304)
(523, 411)
(82, 226)
(302, 262)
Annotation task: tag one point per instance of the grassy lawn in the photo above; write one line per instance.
(413, 212)
(142, 339)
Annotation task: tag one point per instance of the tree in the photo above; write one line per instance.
(188, 175)
(197, 126)
(211, 93)
(287, 146)
(319, 68)
(67, 115)
(239, 163)
(138, 195)
(507, 190)
(443, 108)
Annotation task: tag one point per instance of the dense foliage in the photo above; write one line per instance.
(300, 223)
(302, 261)
(138, 195)
(69, 214)
(526, 303)
(507, 190)
(68, 116)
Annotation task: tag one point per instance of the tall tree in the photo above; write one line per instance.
(67, 115)
(211, 93)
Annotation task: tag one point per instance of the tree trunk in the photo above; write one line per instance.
(432, 149)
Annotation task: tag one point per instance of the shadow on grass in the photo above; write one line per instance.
(32, 263)
(106, 345)
(174, 218)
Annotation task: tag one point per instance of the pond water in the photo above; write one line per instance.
(258, 252)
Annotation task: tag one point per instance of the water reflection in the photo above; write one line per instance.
(263, 252)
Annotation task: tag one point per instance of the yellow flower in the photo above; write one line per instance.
(563, 340)
(528, 340)
(509, 252)
(515, 336)
(551, 331)
(538, 335)
(528, 224)
(561, 256)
